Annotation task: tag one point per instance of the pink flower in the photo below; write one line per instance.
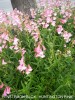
(1, 86)
(45, 25)
(3, 62)
(48, 19)
(16, 47)
(5, 36)
(63, 21)
(59, 29)
(15, 41)
(28, 69)
(33, 13)
(67, 36)
(22, 60)
(35, 35)
(53, 23)
(39, 52)
(23, 51)
(48, 12)
(6, 91)
(11, 47)
(21, 66)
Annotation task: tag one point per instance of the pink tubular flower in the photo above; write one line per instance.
(4, 36)
(48, 19)
(11, 47)
(39, 51)
(48, 12)
(33, 13)
(3, 17)
(45, 25)
(63, 21)
(15, 41)
(6, 91)
(28, 69)
(23, 51)
(53, 23)
(67, 36)
(59, 29)
(21, 66)
(35, 35)
(1, 86)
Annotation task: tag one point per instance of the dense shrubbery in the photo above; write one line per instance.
(37, 56)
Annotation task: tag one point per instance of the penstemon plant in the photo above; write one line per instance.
(37, 56)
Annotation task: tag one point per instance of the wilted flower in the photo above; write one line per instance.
(67, 53)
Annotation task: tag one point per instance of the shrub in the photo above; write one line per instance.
(37, 56)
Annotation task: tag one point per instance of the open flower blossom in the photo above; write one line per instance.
(53, 23)
(1, 86)
(28, 69)
(23, 51)
(21, 66)
(15, 18)
(4, 36)
(48, 19)
(39, 51)
(35, 35)
(3, 17)
(66, 36)
(33, 13)
(63, 21)
(45, 25)
(15, 42)
(6, 91)
(59, 29)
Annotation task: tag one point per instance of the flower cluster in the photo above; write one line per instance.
(64, 34)
(39, 50)
(49, 35)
